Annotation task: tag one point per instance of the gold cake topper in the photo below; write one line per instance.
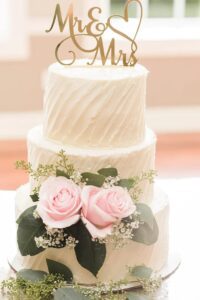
(94, 31)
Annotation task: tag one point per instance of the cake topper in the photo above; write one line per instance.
(93, 33)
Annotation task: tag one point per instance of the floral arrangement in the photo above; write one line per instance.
(80, 211)
(84, 211)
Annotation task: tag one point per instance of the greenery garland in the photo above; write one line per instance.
(38, 285)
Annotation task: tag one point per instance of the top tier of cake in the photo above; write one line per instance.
(95, 107)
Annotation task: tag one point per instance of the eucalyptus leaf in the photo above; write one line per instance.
(145, 235)
(146, 214)
(68, 294)
(107, 172)
(27, 212)
(61, 173)
(58, 268)
(148, 230)
(90, 255)
(142, 272)
(72, 230)
(35, 197)
(135, 296)
(29, 228)
(93, 179)
(126, 183)
(31, 275)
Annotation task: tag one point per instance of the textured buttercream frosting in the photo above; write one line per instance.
(95, 107)
(130, 161)
(97, 116)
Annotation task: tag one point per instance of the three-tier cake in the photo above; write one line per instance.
(96, 117)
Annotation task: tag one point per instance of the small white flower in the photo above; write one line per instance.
(41, 242)
(36, 215)
(76, 177)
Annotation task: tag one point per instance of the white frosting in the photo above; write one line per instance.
(130, 161)
(117, 260)
(96, 115)
(95, 107)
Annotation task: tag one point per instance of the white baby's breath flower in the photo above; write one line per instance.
(41, 242)
(76, 177)
(36, 215)
(111, 181)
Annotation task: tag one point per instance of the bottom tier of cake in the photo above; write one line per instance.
(117, 262)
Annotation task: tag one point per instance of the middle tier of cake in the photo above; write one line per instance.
(130, 161)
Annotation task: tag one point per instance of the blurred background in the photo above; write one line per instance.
(168, 45)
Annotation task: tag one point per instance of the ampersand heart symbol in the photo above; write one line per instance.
(126, 19)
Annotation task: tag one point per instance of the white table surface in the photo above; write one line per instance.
(184, 197)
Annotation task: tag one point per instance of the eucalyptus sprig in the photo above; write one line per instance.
(46, 170)
(25, 166)
(63, 164)
(136, 190)
(19, 288)
(149, 280)
(39, 285)
(41, 171)
(54, 287)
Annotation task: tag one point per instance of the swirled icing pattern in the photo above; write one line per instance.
(95, 107)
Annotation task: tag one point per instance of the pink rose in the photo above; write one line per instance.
(103, 207)
(59, 202)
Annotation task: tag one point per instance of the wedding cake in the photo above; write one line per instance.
(91, 202)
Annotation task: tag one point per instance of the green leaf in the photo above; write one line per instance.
(145, 235)
(26, 213)
(126, 183)
(148, 231)
(61, 173)
(107, 172)
(31, 275)
(58, 268)
(90, 255)
(68, 294)
(35, 197)
(135, 296)
(146, 214)
(72, 230)
(93, 179)
(28, 229)
(142, 272)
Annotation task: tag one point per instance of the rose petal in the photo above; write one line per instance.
(60, 223)
(95, 231)
(103, 207)
(59, 202)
